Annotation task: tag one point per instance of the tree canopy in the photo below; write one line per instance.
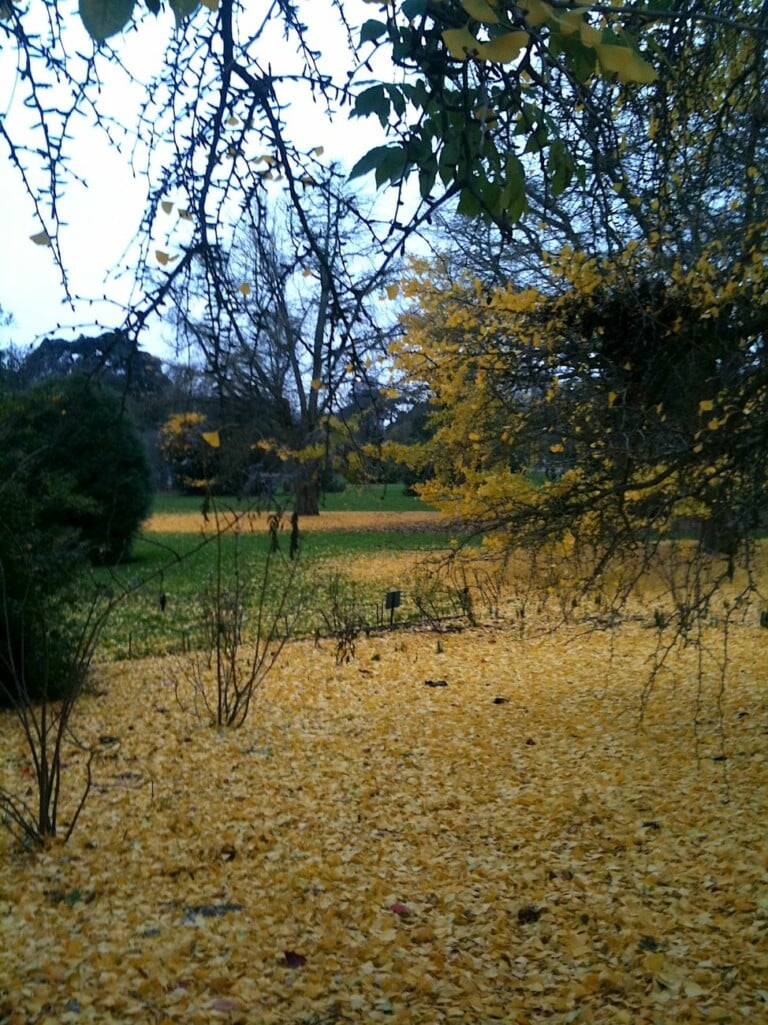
(504, 107)
(615, 154)
(609, 398)
(75, 486)
(109, 358)
(597, 372)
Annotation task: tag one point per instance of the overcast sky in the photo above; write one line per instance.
(102, 218)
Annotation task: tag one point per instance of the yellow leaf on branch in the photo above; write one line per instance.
(537, 12)
(626, 62)
(460, 42)
(481, 10)
(590, 36)
(502, 49)
(570, 22)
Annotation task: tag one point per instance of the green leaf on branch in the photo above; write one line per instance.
(513, 200)
(392, 168)
(183, 9)
(369, 162)
(105, 18)
(581, 59)
(397, 99)
(427, 176)
(415, 92)
(372, 30)
(413, 9)
(373, 101)
(449, 158)
(537, 139)
(387, 162)
(561, 166)
(468, 206)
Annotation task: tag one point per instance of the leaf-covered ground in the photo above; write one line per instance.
(481, 833)
(196, 523)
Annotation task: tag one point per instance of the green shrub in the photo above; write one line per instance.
(74, 487)
(332, 483)
(39, 567)
(86, 463)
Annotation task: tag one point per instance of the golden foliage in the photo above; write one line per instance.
(194, 523)
(579, 408)
(507, 846)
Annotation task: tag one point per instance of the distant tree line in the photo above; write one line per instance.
(200, 438)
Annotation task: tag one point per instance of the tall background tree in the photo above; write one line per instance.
(293, 325)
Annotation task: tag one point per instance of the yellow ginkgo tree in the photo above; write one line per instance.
(621, 407)
(597, 371)
(189, 448)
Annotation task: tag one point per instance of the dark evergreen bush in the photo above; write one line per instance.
(75, 484)
(40, 563)
(85, 451)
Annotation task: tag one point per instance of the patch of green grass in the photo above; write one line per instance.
(168, 574)
(162, 585)
(173, 504)
(338, 543)
(373, 498)
(354, 498)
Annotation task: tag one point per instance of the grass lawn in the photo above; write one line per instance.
(174, 564)
(170, 573)
(355, 498)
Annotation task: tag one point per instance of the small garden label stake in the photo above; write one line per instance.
(392, 602)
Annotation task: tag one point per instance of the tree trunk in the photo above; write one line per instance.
(306, 501)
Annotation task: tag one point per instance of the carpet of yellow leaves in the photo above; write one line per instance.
(482, 833)
(195, 523)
